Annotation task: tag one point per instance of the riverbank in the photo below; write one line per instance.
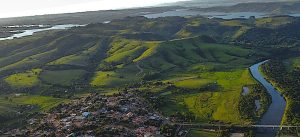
(276, 110)
(274, 84)
(287, 79)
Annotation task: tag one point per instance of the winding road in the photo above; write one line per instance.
(140, 68)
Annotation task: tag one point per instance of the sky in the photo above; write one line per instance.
(16, 8)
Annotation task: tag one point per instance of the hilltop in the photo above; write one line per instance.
(275, 8)
(193, 64)
(267, 7)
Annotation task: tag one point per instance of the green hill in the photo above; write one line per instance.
(197, 65)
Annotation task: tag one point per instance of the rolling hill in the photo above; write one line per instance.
(196, 64)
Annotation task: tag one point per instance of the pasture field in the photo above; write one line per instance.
(216, 105)
(191, 83)
(79, 59)
(62, 77)
(27, 79)
(195, 64)
(119, 77)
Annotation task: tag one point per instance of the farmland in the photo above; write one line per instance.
(198, 66)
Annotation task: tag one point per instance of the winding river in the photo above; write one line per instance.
(275, 112)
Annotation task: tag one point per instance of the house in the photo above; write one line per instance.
(130, 114)
(102, 111)
(86, 114)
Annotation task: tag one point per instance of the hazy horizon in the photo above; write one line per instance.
(18, 8)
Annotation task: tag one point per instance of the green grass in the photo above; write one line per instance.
(44, 102)
(294, 63)
(123, 75)
(39, 52)
(62, 77)
(187, 63)
(192, 83)
(123, 56)
(151, 48)
(195, 22)
(71, 60)
(183, 34)
(273, 21)
(191, 66)
(6, 107)
(205, 67)
(80, 59)
(122, 50)
(213, 105)
(27, 79)
(105, 78)
(188, 53)
(240, 32)
(232, 23)
(227, 99)
(178, 56)
(31, 60)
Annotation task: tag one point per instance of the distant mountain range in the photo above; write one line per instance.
(269, 7)
(274, 8)
(216, 3)
(82, 17)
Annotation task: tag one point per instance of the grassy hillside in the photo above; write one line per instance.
(201, 63)
(62, 77)
(192, 64)
(27, 79)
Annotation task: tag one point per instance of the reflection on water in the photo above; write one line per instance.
(295, 15)
(32, 31)
(275, 112)
(257, 104)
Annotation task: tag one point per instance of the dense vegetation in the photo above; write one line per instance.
(247, 105)
(287, 80)
(198, 66)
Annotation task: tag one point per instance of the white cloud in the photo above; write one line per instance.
(13, 8)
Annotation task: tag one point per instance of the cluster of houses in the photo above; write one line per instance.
(123, 114)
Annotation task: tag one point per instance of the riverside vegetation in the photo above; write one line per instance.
(195, 66)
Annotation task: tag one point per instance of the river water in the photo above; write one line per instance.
(32, 31)
(275, 112)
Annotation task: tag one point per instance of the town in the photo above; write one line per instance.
(122, 114)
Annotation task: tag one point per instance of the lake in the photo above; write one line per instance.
(32, 31)
(223, 15)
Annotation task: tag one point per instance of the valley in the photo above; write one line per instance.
(196, 68)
